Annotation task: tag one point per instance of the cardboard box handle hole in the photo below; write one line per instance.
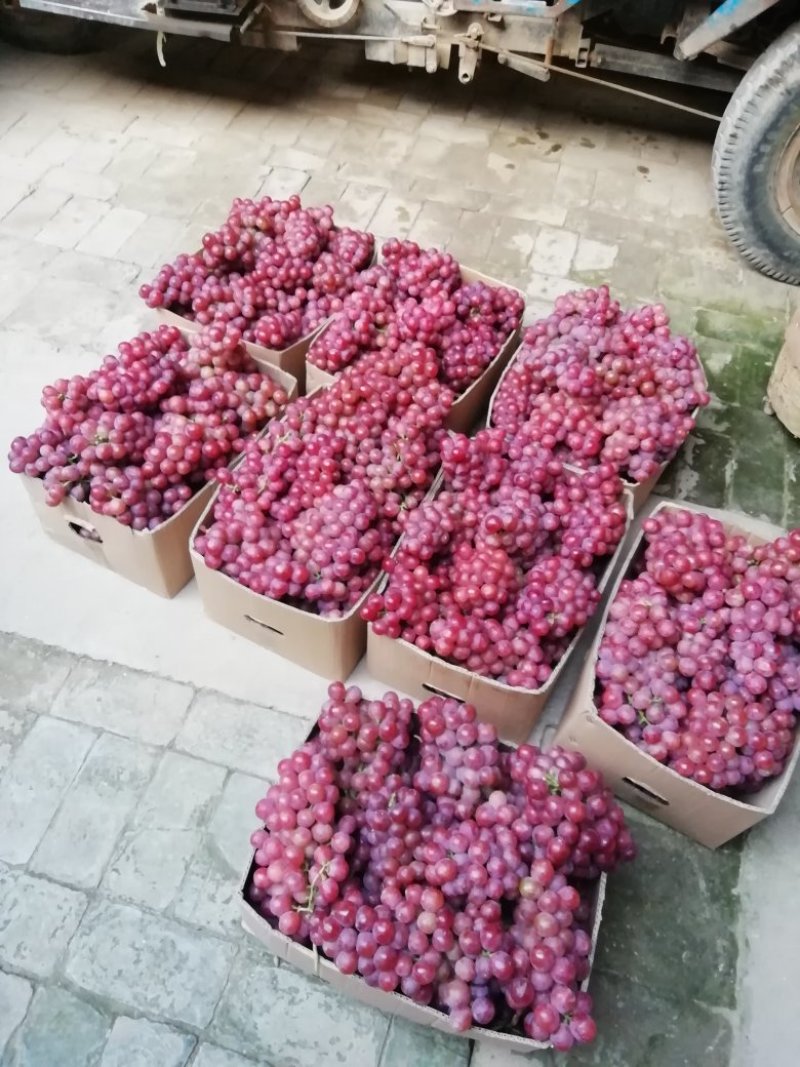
(85, 530)
(440, 692)
(264, 625)
(648, 793)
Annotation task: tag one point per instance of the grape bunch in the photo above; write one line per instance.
(274, 270)
(499, 571)
(414, 850)
(420, 297)
(314, 508)
(138, 436)
(699, 664)
(600, 385)
(360, 325)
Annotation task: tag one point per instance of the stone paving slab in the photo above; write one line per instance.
(278, 1015)
(213, 1056)
(127, 702)
(15, 996)
(14, 724)
(236, 734)
(148, 962)
(33, 785)
(408, 1044)
(139, 1043)
(770, 864)
(232, 822)
(149, 865)
(59, 1028)
(208, 896)
(156, 848)
(640, 946)
(37, 921)
(31, 676)
(79, 841)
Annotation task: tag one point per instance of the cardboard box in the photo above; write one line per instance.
(157, 559)
(512, 710)
(468, 407)
(330, 647)
(783, 391)
(700, 813)
(291, 360)
(312, 962)
(639, 491)
(316, 378)
(315, 964)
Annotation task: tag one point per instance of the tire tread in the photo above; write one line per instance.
(765, 79)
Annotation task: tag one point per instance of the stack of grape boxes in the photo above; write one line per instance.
(330, 647)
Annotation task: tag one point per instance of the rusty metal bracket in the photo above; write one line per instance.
(531, 67)
(469, 52)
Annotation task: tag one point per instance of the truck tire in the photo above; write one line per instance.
(41, 32)
(756, 162)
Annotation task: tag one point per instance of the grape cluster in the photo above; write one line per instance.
(499, 571)
(420, 296)
(602, 385)
(274, 270)
(138, 436)
(699, 664)
(414, 850)
(313, 509)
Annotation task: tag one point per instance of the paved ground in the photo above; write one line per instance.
(135, 736)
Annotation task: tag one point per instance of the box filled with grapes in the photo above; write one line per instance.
(274, 269)
(311, 962)
(493, 940)
(495, 577)
(605, 385)
(325, 644)
(298, 534)
(324, 636)
(123, 467)
(689, 700)
(469, 322)
(156, 559)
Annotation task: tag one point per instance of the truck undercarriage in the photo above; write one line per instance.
(652, 39)
(747, 48)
